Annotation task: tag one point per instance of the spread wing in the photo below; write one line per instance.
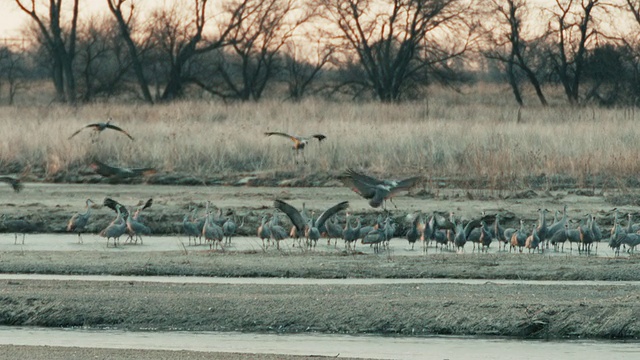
(111, 126)
(291, 137)
(15, 183)
(108, 170)
(112, 204)
(404, 185)
(147, 204)
(291, 212)
(364, 189)
(82, 128)
(364, 178)
(104, 169)
(320, 137)
(330, 212)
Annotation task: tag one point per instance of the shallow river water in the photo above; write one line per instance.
(377, 347)
(397, 247)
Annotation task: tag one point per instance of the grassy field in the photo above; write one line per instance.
(447, 137)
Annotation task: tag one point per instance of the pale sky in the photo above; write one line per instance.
(11, 19)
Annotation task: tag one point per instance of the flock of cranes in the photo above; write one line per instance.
(451, 233)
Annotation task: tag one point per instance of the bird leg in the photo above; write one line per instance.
(394, 204)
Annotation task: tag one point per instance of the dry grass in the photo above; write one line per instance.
(444, 138)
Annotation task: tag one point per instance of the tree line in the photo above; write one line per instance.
(386, 50)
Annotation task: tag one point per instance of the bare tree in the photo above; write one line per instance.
(180, 40)
(300, 72)
(254, 57)
(125, 27)
(60, 44)
(634, 8)
(398, 42)
(102, 60)
(508, 45)
(13, 71)
(573, 26)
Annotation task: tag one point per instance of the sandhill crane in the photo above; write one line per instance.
(631, 240)
(212, 232)
(297, 232)
(617, 233)
(120, 172)
(413, 234)
(508, 233)
(299, 142)
(426, 232)
(334, 231)
(389, 230)
(485, 237)
(462, 233)
(519, 238)
(18, 226)
(557, 225)
(631, 227)
(573, 236)
(15, 183)
(199, 221)
(350, 234)
(230, 227)
(617, 237)
(375, 190)
(137, 225)
(312, 233)
(586, 237)
(278, 233)
(191, 229)
(595, 231)
(533, 241)
(113, 205)
(497, 231)
(116, 228)
(364, 230)
(560, 237)
(135, 228)
(541, 230)
(79, 221)
(101, 126)
(264, 232)
(377, 236)
(309, 227)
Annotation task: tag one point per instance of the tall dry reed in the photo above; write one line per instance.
(442, 138)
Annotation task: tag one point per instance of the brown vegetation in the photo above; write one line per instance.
(480, 145)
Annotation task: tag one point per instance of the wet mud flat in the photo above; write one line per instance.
(64, 353)
(556, 311)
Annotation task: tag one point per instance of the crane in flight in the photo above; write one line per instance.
(377, 191)
(101, 126)
(299, 142)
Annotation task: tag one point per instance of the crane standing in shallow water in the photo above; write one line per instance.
(79, 221)
(309, 227)
(116, 228)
